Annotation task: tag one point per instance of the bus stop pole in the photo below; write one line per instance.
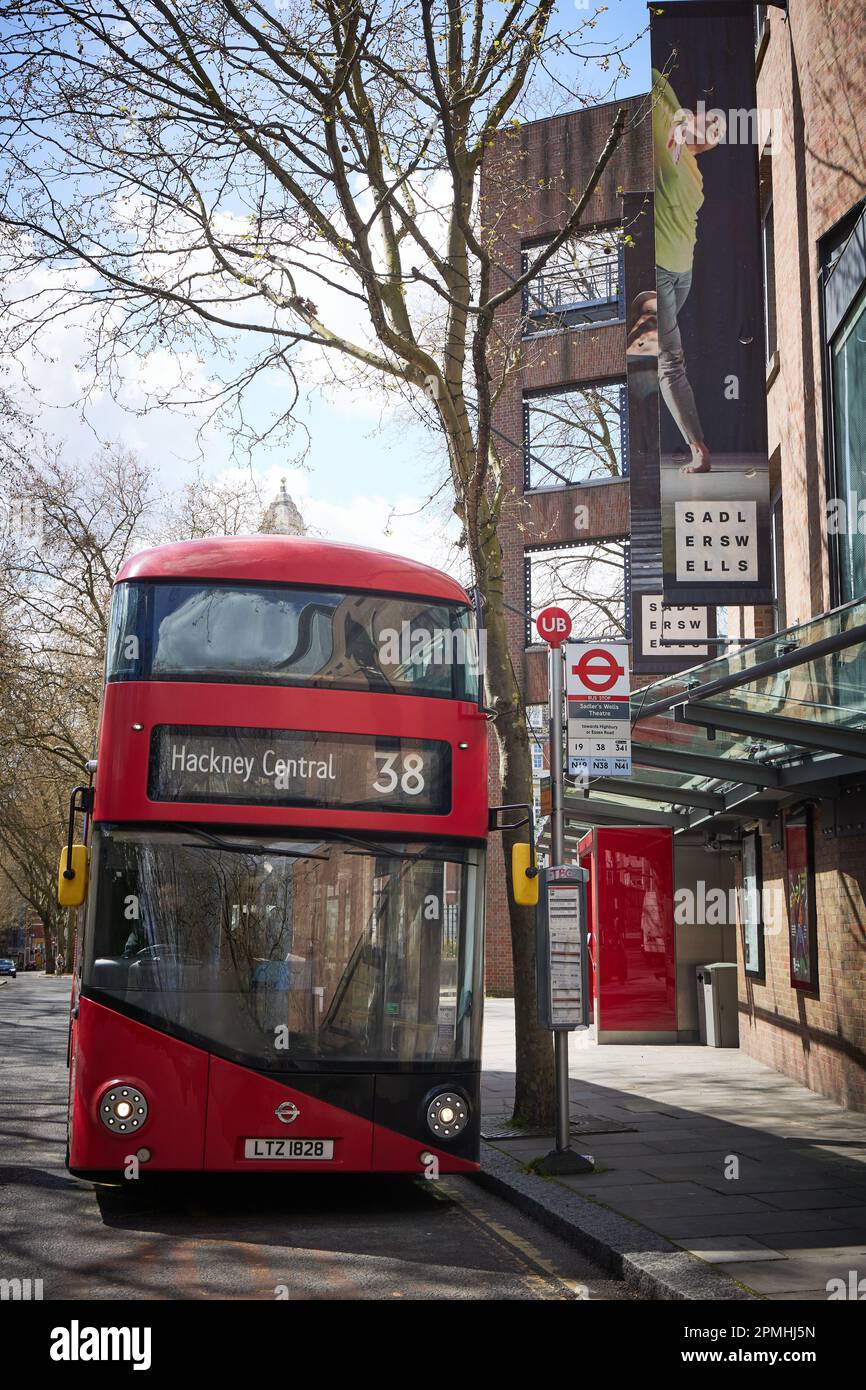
(557, 835)
(563, 1158)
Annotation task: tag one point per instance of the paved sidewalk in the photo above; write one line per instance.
(793, 1217)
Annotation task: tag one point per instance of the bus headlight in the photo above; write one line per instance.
(122, 1108)
(447, 1115)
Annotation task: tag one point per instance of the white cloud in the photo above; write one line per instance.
(362, 488)
(401, 525)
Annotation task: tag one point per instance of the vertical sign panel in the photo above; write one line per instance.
(597, 689)
(654, 626)
(712, 375)
(562, 957)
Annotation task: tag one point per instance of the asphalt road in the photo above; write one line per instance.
(210, 1237)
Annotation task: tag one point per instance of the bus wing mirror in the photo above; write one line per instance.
(72, 876)
(524, 876)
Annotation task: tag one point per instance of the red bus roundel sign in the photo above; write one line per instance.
(598, 670)
(554, 626)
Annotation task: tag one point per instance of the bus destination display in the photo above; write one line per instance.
(294, 767)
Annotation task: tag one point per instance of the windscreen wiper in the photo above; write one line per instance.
(373, 847)
(246, 849)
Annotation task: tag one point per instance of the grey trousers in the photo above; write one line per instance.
(672, 289)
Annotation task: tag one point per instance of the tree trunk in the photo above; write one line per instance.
(534, 1099)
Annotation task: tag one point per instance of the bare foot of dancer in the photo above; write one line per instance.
(700, 459)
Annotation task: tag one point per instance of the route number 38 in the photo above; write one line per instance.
(410, 780)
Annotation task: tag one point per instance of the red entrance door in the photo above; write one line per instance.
(631, 926)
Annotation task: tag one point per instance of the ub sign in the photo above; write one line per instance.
(554, 626)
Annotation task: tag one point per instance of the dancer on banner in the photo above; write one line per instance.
(679, 196)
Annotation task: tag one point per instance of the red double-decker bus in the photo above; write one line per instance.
(279, 959)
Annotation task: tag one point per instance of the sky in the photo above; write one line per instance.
(367, 472)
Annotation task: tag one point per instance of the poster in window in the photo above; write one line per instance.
(753, 927)
(800, 883)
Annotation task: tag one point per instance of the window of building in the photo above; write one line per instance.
(576, 435)
(777, 537)
(769, 258)
(843, 272)
(581, 283)
(538, 719)
(762, 33)
(848, 367)
(590, 581)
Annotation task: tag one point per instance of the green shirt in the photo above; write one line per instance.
(679, 187)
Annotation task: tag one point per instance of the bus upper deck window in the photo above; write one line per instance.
(124, 643)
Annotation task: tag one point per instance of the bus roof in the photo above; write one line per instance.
(292, 560)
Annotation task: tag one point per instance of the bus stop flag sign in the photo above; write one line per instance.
(599, 716)
(554, 626)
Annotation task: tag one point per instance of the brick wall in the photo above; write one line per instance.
(814, 72)
(818, 1038)
(530, 176)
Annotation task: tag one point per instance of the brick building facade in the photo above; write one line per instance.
(530, 178)
(811, 73)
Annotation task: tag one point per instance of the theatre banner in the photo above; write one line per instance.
(709, 295)
(655, 626)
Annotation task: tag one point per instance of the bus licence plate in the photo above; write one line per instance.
(316, 1149)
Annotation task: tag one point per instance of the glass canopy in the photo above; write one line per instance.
(734, 739)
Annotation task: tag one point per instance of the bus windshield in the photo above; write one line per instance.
(280, 953)
(193, 630)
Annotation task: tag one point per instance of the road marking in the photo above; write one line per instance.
(525, 1249)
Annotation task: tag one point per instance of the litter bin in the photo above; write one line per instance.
(718, 1023)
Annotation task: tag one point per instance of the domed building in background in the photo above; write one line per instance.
(282, 517)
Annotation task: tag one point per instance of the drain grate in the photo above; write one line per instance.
(503, 1127)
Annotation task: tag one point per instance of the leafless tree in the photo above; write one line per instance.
(74, 526)
(33, 798)
(288, 189)
(67, 528)
(227, 506)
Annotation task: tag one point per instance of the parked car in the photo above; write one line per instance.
(7, 967)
